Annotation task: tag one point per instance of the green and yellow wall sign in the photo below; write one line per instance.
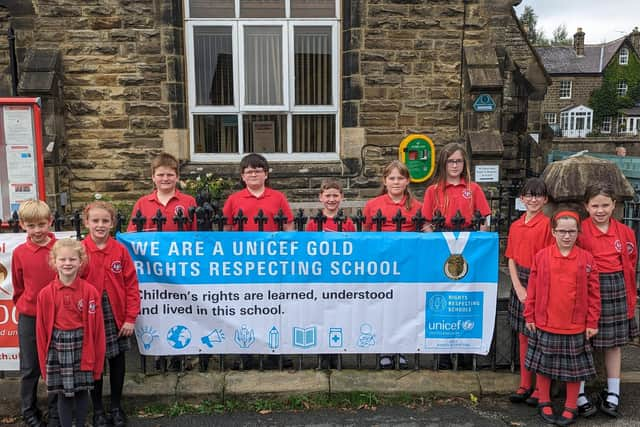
(419, 154)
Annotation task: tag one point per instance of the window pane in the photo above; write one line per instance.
(313, 8)
(262, 8)
(314, 134)
(213, 65)
(313, 83)
(215, 134)
(265, 133)
(263, 65)
(211, 9)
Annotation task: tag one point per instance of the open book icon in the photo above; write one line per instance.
(304, 337)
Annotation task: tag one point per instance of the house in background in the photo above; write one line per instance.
(324, 88)
(595, 88)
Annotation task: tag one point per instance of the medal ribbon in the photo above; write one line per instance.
(456, 246)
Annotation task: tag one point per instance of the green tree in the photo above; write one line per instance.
(561, 36)
(534, 33)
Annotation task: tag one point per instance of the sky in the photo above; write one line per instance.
(601, 20)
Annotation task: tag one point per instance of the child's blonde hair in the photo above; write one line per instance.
(68, 243)
(166, 160)
(99, 204)
(34, 210)
(402, 170)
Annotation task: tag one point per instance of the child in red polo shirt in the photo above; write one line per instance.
(527, 235)
(29, 274)
(561, 311)
(111, 271)
(614, 250)
(70, 333)
(165, 196)
(256, 196)
(331, 196)
(395, 196)
(452, 190)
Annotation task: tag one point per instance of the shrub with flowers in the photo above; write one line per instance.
(217, 187)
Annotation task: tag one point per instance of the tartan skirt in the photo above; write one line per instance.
(63, 363)
(567, 358)
(114, 344)
(516, 308)
(615, 329)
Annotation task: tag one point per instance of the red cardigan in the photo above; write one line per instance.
(587, 306)
(93, 342)
(629, 257)
(112, 269)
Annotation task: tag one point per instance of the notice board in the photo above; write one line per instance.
(21, 154)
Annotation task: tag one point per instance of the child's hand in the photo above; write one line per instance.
(591, 332)
(427, 228)
(531, 327)
(521, 293)
(126, 330)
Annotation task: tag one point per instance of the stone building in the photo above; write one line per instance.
(579, 71)
(325, 88)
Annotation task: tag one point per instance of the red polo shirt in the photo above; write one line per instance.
(389, 209)
(150, 204)
(527, 238)
(68, 303)
(467, 198)
(30, 272)
(330, 225)
(605, 247)
(270, 201)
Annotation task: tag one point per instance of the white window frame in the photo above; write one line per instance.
(550, 118)
(605, 127)
(622, 88)
(239, 108)
(570, 89)
(623, 57)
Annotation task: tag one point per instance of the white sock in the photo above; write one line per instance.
(613, 386)
(582, 400)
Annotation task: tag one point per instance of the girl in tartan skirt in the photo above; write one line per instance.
(527, 235)
(562, 310)
(613, 246)
(70, 333)
(111, 271)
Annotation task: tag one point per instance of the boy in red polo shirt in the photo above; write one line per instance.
(331, 196)
(30, 273)
(165, 196)
(562, 311)
(452, 190)
(527, 235)
(256, 196)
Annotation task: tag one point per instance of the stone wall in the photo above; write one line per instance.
(581, 89)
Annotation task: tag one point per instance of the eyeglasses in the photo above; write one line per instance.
(533, 196)
(566, 232)
(455, 161)
(253, 171)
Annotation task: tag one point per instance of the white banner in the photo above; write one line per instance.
(288, 292)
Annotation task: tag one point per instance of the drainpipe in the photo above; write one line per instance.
(13, 65)
(461, 104)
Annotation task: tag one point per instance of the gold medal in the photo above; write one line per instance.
(455, 267)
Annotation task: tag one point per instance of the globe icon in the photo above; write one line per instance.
(179, 337)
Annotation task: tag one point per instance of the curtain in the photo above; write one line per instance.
(213, 65)
(263, 65)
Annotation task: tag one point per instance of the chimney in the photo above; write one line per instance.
(635, 40)
(578, 42)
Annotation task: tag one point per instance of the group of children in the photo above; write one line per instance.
(573, 282)
(574, 289)
(73, 315)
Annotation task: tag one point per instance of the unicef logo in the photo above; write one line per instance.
(179, 337)
(468, 325)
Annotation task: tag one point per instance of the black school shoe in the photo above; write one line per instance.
(549, 419)
(588, 409)
(118, 417)
(564, 421)
(520, 395)
(607, 407)
(101, 419)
